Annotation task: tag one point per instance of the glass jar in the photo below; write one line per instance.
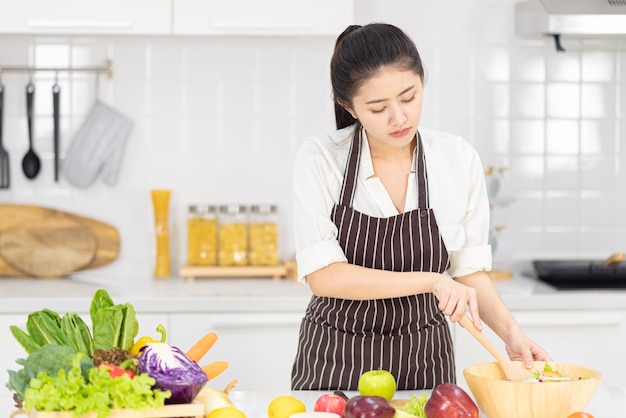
(202, 235)
(263, 230)
(232, 235)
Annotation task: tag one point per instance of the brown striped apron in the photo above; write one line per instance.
(340, 339)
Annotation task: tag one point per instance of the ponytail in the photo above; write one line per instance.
(360, 52)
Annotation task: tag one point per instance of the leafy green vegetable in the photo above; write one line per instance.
(45, 328)
(415, 406)
(113, 325)
(70, 391)
(27, 342)
(50, 358)
(100, 300)
(77, 333)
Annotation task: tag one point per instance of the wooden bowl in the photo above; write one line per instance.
(500, 398)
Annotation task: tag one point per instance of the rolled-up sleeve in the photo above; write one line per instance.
(316, 183)
(475, 253)
(459, 198)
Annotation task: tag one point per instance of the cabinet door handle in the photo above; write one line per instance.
(263, 25)
(79, 24)
(257, 324)
(575, 321)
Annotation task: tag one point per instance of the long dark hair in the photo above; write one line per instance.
(360, 52)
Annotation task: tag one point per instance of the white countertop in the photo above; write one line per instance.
(223, 295)
(24, 295)
(606, 402)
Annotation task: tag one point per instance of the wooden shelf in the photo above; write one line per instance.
(285, 270)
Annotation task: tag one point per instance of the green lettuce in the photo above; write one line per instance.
(99, 392)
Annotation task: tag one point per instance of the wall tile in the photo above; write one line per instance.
(597, 172)
(598, 66)
(597, 137)
(598, 101)
(562, 208)
(562, 137)
(563, 100)
(220, 119)
(527, 172)
(596, 208)
(528, 136)
(562, 172)
(528, 100)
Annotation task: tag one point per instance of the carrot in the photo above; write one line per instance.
(212, 370)
(200, 348)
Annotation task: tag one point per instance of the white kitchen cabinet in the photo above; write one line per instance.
(146, 17)
(269, 17)
(590, 338)
(259, 347)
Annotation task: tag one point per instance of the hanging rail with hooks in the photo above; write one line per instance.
(106, 68)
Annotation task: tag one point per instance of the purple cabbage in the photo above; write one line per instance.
(172, 370)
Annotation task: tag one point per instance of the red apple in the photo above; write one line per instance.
(330, 403)
(450, 401)
(368, 407)
(377, 383)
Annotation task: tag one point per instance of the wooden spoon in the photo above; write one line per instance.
(512, 371)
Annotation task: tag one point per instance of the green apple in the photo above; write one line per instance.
(377, 383)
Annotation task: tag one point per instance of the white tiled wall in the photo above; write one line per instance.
(218, 119)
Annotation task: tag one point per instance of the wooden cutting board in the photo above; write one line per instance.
(43, 242)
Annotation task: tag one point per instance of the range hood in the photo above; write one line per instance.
(571, 17)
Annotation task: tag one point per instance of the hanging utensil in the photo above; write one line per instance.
(56, 91)
(5, 179)
(31, 162)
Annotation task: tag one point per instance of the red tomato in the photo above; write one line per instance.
(580, 415)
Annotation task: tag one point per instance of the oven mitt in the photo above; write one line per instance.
(97, 147)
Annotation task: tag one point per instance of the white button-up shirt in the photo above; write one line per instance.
(456, 187)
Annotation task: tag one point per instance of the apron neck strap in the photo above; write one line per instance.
(349, 179)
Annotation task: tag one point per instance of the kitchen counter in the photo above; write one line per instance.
(23, 295)
(269, 311)
(606, 402)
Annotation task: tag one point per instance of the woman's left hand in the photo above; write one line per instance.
(520, 348)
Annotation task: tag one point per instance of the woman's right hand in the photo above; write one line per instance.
(454, 298)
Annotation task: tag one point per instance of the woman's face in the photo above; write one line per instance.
(389, 106)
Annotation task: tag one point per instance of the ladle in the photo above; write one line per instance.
(30, 163)
(512, 371)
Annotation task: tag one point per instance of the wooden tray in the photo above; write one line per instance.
(195, 410)
(285, 270)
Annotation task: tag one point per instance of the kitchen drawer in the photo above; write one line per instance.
(149, 17)
(270, 17)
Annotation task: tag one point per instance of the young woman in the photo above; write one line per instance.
(391, 229)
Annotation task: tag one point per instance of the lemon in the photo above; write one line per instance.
(226, 412)
(284, 406)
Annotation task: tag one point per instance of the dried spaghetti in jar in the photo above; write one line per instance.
(232, 236)
(202, 235)
(263, 231)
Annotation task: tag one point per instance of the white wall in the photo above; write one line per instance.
(219, 119)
